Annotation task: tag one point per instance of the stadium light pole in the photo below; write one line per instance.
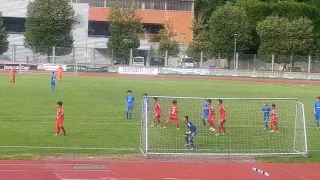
(235, 50)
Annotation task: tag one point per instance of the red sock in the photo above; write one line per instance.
(224, 130)
(211, 124)
(271, 126)
(219, 129)
(64, 131)
(58, 131)
(159, 122)
(177, 124)
(277, 128)
(166, 123)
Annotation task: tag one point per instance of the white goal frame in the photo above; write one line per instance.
(303, 151)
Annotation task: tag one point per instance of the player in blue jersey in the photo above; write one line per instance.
(129, 104)
(146, 103)
(53, 82)
(316, 111)
(205, 110)
(191, 133)
(266, 114)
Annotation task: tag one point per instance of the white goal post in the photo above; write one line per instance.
(246, 134)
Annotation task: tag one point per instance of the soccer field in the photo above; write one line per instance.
(95, 113)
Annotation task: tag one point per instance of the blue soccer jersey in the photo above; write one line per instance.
(316, 107)
(130, 101)
(53, 80)
(205, 111)
(191, 127)
(266, 112)
(146, 103)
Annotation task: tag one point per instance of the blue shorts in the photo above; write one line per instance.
(191, 135)
(53, 83)
(266, 118)
(317, 117)
(129, 106)
(205, 114)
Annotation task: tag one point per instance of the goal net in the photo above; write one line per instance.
(245, 128)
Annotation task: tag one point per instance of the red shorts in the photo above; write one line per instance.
(173, 118)
(59, 122)
(157, 114)
(222, 119)
(211, 118)
(275, 122)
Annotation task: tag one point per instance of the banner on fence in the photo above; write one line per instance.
(53, 67)
(23, 67)
(138, 70)
(185, 71)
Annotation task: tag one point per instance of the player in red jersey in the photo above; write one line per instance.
(13, 75)
(59, 119)
(222, 119)
(157, 112)
(212, 116)
(274, 118)
(60, 73)
(173, 114)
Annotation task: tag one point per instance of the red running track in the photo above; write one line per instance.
(94, 170)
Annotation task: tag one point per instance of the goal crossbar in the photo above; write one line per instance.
(215, 98)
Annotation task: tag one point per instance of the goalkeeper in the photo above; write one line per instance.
(192, 132)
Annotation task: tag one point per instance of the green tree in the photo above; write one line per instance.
(282, 36)
(50, 23)
(3, 37)
(168, 41)
(206, 7)
(201, 40)
(226, 22)
(125, 26)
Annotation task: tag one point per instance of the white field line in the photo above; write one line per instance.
(72, 148)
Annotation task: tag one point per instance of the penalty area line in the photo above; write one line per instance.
(71, 148)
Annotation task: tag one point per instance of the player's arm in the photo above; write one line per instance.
(314, 108)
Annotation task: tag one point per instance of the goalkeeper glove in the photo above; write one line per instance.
(189, 132)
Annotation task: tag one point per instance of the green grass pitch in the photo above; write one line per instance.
(95, 112)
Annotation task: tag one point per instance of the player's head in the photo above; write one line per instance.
(186, 118)
(318, 98)
(174, 102)
(59, 104)
(209, 101)
(273, 106)
(145, 94)
(129, 92)
(205, 99)
(155, 99)
(265, 103)
(219, 101)
(52, 72)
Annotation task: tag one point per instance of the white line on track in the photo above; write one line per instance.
(73, 148)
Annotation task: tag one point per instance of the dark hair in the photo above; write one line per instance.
(209, 100)
(145, 94)
(59, 103)
(155, 99)
(52, 72)
(318, 97)
(220, 101)
(174, 102)
(187, 117)
(129, 91)
(273, 105)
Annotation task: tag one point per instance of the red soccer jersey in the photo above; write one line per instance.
(223, 113)
(211, 111)
(13, 72)
(60, 70)
(274, 115)
(157, 107)
(60, 114)
(173, 110)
